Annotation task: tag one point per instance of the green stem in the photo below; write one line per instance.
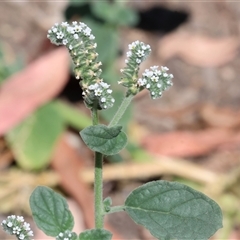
(98, 186)
(116, 209)
(98, 181)
(126, 101)
(94, 116)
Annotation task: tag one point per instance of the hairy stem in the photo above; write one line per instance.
(118, 115)
(116, 209)
(98, 182)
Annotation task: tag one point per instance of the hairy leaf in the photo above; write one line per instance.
(170, 210)
(100, 138)
(98, 234)
(50, 211)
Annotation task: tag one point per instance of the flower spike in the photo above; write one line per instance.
(15, 225)
(138, 52)
(78, 39)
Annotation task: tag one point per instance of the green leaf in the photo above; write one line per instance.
(98, 234)
(33, 140)
(114, 13)
(170, 210)
(50, 211)
(107, 203)
(100, 138)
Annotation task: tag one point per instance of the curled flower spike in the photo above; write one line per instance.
(155, 81)
(67, 235)
(138, 52)
(15, 225)
(77, 37)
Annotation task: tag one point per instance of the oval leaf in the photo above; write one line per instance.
(98, 234)
(170, 210)
(50, 211)
(34, 139)
(100, 138)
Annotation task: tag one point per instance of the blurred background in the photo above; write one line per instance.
(190, 135)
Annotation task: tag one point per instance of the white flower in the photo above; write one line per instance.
(64, 24)
(30, 233)
(10, 224)
(91, 37)
(142, 81)
(75, 36)
(104, 85)
(154, 78)
(82, 24)
(70, 30)
(87, 31)
(54, 30)
(103, 99)
(98, 92)
(70, 47)
(109, 91)
(21, 236)
(60, 35)
(129, 54)
(65, 41)
(164, 68)
(148, 73)
(20, 218)
(93, 86)
(154, 68)
(140, 53)
(165, 74)
(144, 47)
(26, 226)
(77, 28)
(138, 60)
